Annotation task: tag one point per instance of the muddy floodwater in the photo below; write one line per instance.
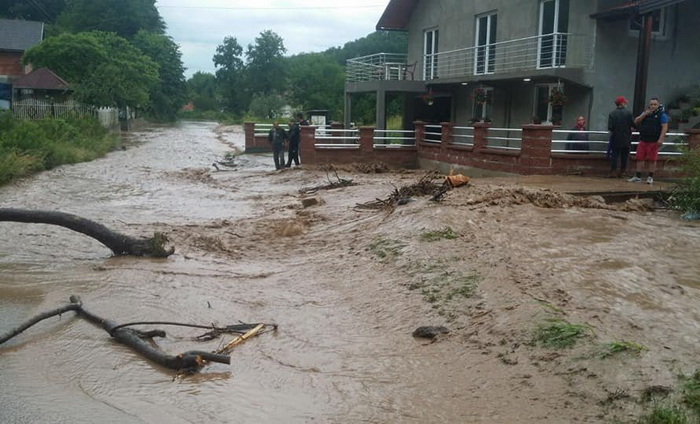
(346, 287)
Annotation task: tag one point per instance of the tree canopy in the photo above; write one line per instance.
(102, 68)
(123, 17)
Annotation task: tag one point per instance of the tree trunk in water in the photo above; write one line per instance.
(118, 243)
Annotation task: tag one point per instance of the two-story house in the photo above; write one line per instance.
(507, 61)
(16, 36)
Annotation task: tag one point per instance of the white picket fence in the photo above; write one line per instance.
(41, 109)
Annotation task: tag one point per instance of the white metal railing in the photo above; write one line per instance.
(433, 133)
(380, 66)
(504, 138)
(394, 138)
(262, 130)
(338, 138)
(558, 50)
(597, 142)
(463, 136)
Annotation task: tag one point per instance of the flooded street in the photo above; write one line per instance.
(246, 250)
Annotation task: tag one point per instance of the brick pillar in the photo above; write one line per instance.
(481, 133)
(337, 126)
(693, 138)
(249, 130)
(420, 131)
(307, 145)
(536, 149)
(366, 141)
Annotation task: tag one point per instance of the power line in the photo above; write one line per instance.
(274, 8)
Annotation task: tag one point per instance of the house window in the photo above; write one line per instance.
(430, 51)
(554, 25)
(485, 60)
(544, 110)
(658, 27)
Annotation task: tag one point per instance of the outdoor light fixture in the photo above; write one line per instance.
(526, 79)
(465, 83)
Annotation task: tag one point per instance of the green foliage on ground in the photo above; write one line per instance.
(686, 196)
(27, 147)
(558, 334)
(445, 233)
(620, 348)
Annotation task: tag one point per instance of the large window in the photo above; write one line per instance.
(554, 25)
(485, 60)
(430, 50)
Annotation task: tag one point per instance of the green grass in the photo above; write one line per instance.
(559, 334)
(691, 392)
(686, 196)
(621, 347)
(386, 248)
(27, 147)
(445, 233)
(665, 415)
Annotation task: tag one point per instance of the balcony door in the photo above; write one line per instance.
(554, 25)
(485, 51)
(430, 51)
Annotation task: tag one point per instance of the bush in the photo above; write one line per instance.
(31, 146)
(687, 194)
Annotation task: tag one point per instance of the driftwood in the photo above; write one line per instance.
(140, 341)
(118, 243)
(341, 182)
(401, 196)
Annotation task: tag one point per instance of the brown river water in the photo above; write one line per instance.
(343, 353)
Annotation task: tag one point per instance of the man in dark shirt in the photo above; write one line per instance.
(620, 124)
(652, 125)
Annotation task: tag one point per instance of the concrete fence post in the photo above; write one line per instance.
(481, 133)
(536, 149)
(307, 145)
(249, 130)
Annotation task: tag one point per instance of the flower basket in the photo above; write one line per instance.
(428, 97)
(481, 96)
(557, 97)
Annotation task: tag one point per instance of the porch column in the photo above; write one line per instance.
(307, 145)
(347, 114)
(420, 131)
(536, 149)
(381, 109)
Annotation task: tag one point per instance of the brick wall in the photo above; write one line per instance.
(10, 64)
(534, 157)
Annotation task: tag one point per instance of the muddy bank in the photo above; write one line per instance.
(348, 287)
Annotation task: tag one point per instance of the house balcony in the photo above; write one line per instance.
(558, 55)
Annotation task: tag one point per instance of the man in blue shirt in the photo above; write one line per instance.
(652, 125)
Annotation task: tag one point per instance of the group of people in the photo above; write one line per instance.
(652, 125)
(279, 137)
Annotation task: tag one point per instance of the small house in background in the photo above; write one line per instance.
(41, 84)
(16, 36)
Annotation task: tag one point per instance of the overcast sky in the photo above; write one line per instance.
(199, 26)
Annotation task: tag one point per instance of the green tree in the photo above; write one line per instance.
(265, 64)
(123, 17)
(102, 68)
(169, 93)
(230, 75)
(202, 91)
(316, 81)
(36, 10)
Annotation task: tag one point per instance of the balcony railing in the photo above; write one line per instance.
(551, 51)
(380, 66)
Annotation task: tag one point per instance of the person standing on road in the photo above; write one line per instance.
(277, 137)
(294, 139)
(620, 124)
(652, 125)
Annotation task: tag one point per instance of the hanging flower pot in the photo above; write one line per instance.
(557, 97)
(481, 96)
(428, 97)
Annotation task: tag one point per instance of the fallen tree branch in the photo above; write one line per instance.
(118, 243)
(140, 341)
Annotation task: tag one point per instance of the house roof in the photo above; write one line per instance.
(397, 15)
(41, 79)
(17, 35)
(631, 8)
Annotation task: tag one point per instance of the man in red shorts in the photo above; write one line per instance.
(652, 125)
